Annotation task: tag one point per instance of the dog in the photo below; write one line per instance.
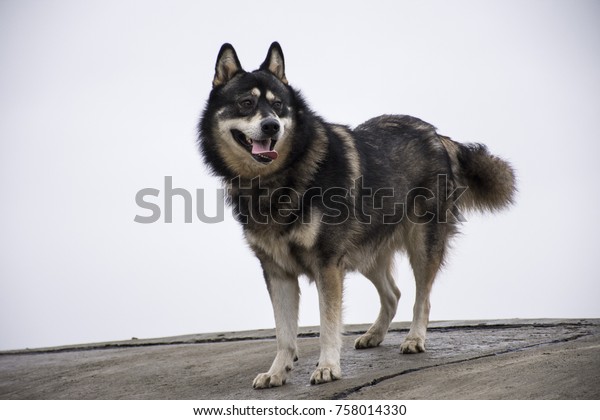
(321, 199)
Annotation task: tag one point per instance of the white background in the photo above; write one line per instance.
(100, 99)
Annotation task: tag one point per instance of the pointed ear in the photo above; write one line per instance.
(275, 63)
(228, 65)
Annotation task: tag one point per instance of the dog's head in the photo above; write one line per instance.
(249, 116)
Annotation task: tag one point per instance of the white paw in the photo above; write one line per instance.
(325, 374)
(267, 380)
(368, 340)
(413, 345)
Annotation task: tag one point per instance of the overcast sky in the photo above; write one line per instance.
(100, 99)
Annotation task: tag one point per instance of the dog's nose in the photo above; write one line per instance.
(270, 126)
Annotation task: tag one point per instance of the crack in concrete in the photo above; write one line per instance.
(345, 394)
(129, 344)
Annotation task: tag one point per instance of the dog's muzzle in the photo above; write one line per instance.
(262, 150)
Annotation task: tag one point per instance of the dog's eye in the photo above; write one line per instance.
(277, 105)
(246, 104)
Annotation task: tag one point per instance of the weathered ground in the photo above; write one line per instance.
(507, 359)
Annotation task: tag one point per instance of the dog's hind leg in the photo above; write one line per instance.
(426, 249)
(285, 297)
(330, 287)
(389, 295)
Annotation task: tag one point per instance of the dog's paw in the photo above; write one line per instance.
(368, 340)
(325, 374)
(267, 380)
(413, 345)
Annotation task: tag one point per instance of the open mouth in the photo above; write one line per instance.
(261, 150)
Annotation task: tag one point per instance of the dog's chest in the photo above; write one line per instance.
(294, 249)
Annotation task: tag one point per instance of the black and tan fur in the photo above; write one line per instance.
(325, 199)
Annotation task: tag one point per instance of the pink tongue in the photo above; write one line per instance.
(262, 148)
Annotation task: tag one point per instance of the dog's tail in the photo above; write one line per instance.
(490, 181)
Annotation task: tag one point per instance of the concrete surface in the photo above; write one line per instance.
(506, 359)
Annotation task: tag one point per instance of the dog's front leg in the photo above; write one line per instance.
(285, 297)
(330, 287)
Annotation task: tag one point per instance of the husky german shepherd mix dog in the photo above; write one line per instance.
(321, 199)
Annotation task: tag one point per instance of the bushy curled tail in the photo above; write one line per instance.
(490, 180)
